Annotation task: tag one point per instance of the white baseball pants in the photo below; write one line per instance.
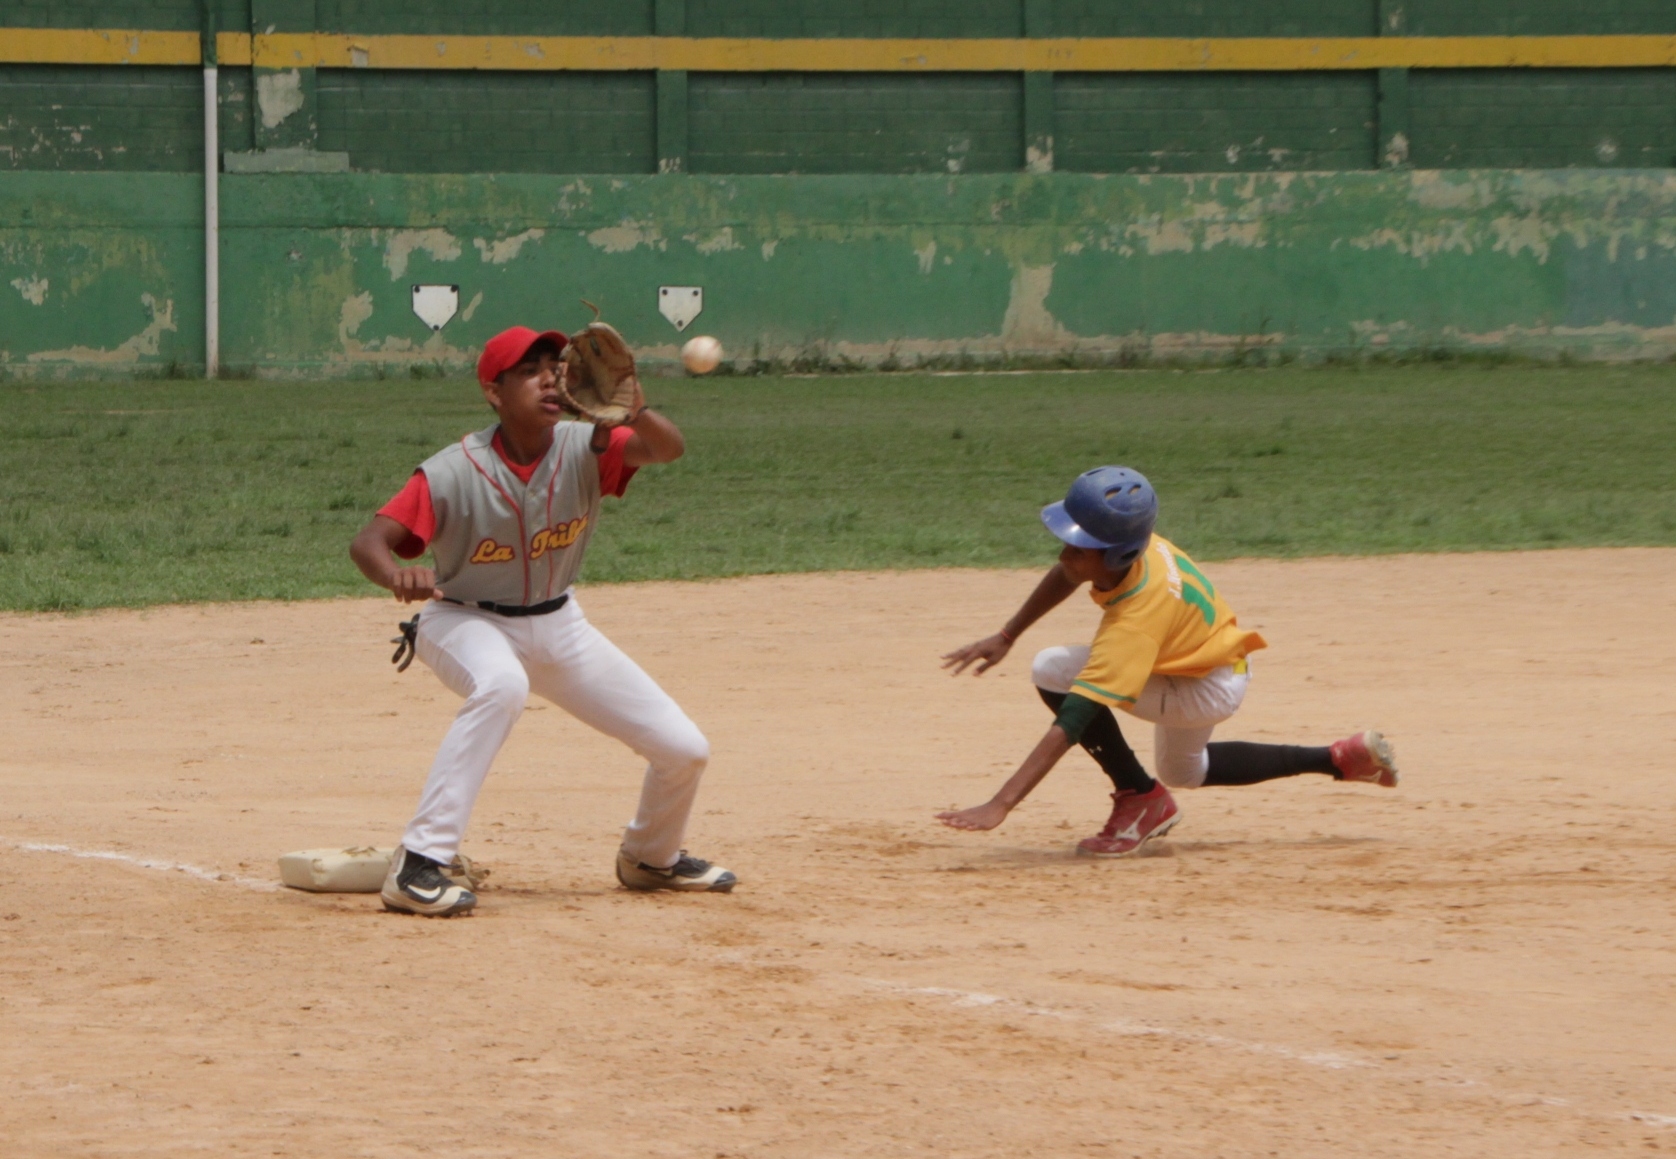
(1184, 710)
(495, 662)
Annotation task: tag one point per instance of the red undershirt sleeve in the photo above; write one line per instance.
(411, 507)
(614, 474)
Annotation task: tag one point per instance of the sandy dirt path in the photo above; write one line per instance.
(1481, 962)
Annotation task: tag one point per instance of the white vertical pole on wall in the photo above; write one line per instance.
(212, 214)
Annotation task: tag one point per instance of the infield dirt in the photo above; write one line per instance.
(1481, 962)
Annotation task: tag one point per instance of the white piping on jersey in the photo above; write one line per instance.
(552, 482)
(518, 513)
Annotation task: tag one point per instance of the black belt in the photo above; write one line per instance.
(407, 644)
(540, 609)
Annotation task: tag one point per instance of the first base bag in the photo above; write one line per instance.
(362, 869)
(358, 869)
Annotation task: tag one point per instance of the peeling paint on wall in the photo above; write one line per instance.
(355, 310)
(439, 243)
(620, 239)
(1027, 324)
(316, 266)
(141, 345)
(1159, 236)
(1516, 235)
(1423, 246)
(1435, 189)
(718, 242)
(498, 253)
(278, 95)
(34, 290)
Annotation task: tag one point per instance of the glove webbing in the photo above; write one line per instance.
(407, 644)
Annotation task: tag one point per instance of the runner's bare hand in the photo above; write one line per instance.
(986, 653)
(985, 816)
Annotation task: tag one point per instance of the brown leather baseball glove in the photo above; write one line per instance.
(599, 380)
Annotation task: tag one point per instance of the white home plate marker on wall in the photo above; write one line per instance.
(435, 305)
(680, 304)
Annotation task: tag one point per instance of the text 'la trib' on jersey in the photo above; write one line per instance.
(501, 539)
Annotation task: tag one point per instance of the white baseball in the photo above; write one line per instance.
(701, 355)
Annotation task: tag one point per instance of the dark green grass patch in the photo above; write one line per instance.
(147, 492)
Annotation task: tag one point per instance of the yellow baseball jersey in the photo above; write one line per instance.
(1165, 617)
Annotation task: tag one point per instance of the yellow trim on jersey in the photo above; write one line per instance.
(1101, 692)
(1146, 574)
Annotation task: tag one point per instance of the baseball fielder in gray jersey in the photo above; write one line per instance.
(507, 513)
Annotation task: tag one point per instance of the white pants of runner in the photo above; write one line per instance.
(1184, 710)
(495, 662)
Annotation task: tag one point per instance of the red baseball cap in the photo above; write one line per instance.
(506, 349)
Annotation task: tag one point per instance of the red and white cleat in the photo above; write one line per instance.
(1367, 757)
(1136, 819)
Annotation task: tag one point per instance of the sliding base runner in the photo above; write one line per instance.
(508, 513)
(1168, 651)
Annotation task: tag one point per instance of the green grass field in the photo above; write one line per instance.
(160, 491)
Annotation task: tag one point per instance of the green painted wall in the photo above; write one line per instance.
(1232, 122)
(874, 217)
(1216, 17)
(875, 18)
(119, 119)
(488, 17)
(175, 15)
(854, 18)
(1554, 118)
(855, 123)
(461, 122)
(101, 271)
(1537, 17)
(101, 117)
(115, 118)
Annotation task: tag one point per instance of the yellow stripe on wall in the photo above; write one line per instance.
(96, 46)
(704, 54)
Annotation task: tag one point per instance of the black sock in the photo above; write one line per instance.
(1104, 742)
(1239, 762)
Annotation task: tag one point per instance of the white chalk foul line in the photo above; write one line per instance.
(1332, 1060)
(194, 871)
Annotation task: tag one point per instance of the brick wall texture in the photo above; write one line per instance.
(460, 122)
(1555, 118)
(488, 17)
(1214, 18)
(1196, 123)
(1537, 17)
(854, 18)
(111, 117)
(855, 123)
(93, 118)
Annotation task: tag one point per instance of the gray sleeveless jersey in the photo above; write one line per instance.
(501, 539)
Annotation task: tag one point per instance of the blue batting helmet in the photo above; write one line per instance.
(1109, 507)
